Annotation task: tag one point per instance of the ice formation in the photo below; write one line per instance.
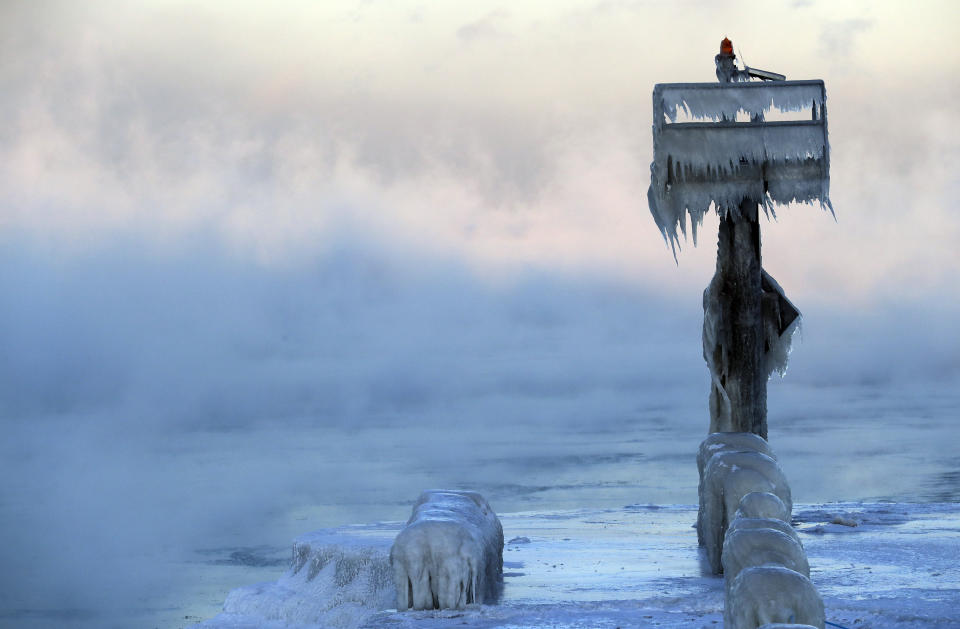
(724, 442)
(715, 161)
(337, 580)
(741, 524)
(728, 477)
(450, 553)
(762, 504)
(781, 320)
(745, 548)
(772, 594)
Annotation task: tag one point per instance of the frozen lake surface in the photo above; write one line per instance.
(636, 566)
(192, 515)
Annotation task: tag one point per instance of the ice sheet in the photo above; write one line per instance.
(639, 566)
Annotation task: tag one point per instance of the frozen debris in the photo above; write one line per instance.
(728, 477)
(519, 540)
(710, 160)
(725, 442)
(772, 594)
(450, 553)
(844, 521)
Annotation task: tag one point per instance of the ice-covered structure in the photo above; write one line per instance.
(748, 547)
(779, 321)
(450, 553)
(730, 476)
(712, 146)
(724, 442)
(772, 594)
(740, 524)
(762, 504)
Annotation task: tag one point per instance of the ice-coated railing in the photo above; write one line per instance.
(712, 159)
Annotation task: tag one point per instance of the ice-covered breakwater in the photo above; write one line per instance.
(634, 566)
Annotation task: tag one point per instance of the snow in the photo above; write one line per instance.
(716, 161)
(639, 566)
(450, 553)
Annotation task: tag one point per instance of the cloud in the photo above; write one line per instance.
(838, 38)
(489, 26)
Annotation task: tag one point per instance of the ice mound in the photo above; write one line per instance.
(337, 579)
(450, 554)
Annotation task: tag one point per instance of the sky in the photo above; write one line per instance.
(508, 137)
(358, 213)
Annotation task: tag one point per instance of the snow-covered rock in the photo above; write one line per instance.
(746, 548)
(772, 594)
(450, 553)
(728, 477)
(725, 442)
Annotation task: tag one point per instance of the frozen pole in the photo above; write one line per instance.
(740, 343)
(739, 292)
(714, 150)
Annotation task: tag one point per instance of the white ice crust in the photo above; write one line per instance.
(772, 594)
(728, 477)
(450, 553)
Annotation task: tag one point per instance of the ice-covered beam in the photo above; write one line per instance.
(710, 159)
(718, 101)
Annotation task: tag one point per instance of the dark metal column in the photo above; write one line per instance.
(741, 333)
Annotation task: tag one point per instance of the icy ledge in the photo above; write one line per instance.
(636, 566)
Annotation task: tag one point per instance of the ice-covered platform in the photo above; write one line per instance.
(637, 566)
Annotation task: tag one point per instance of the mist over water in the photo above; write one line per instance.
(169, 415)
